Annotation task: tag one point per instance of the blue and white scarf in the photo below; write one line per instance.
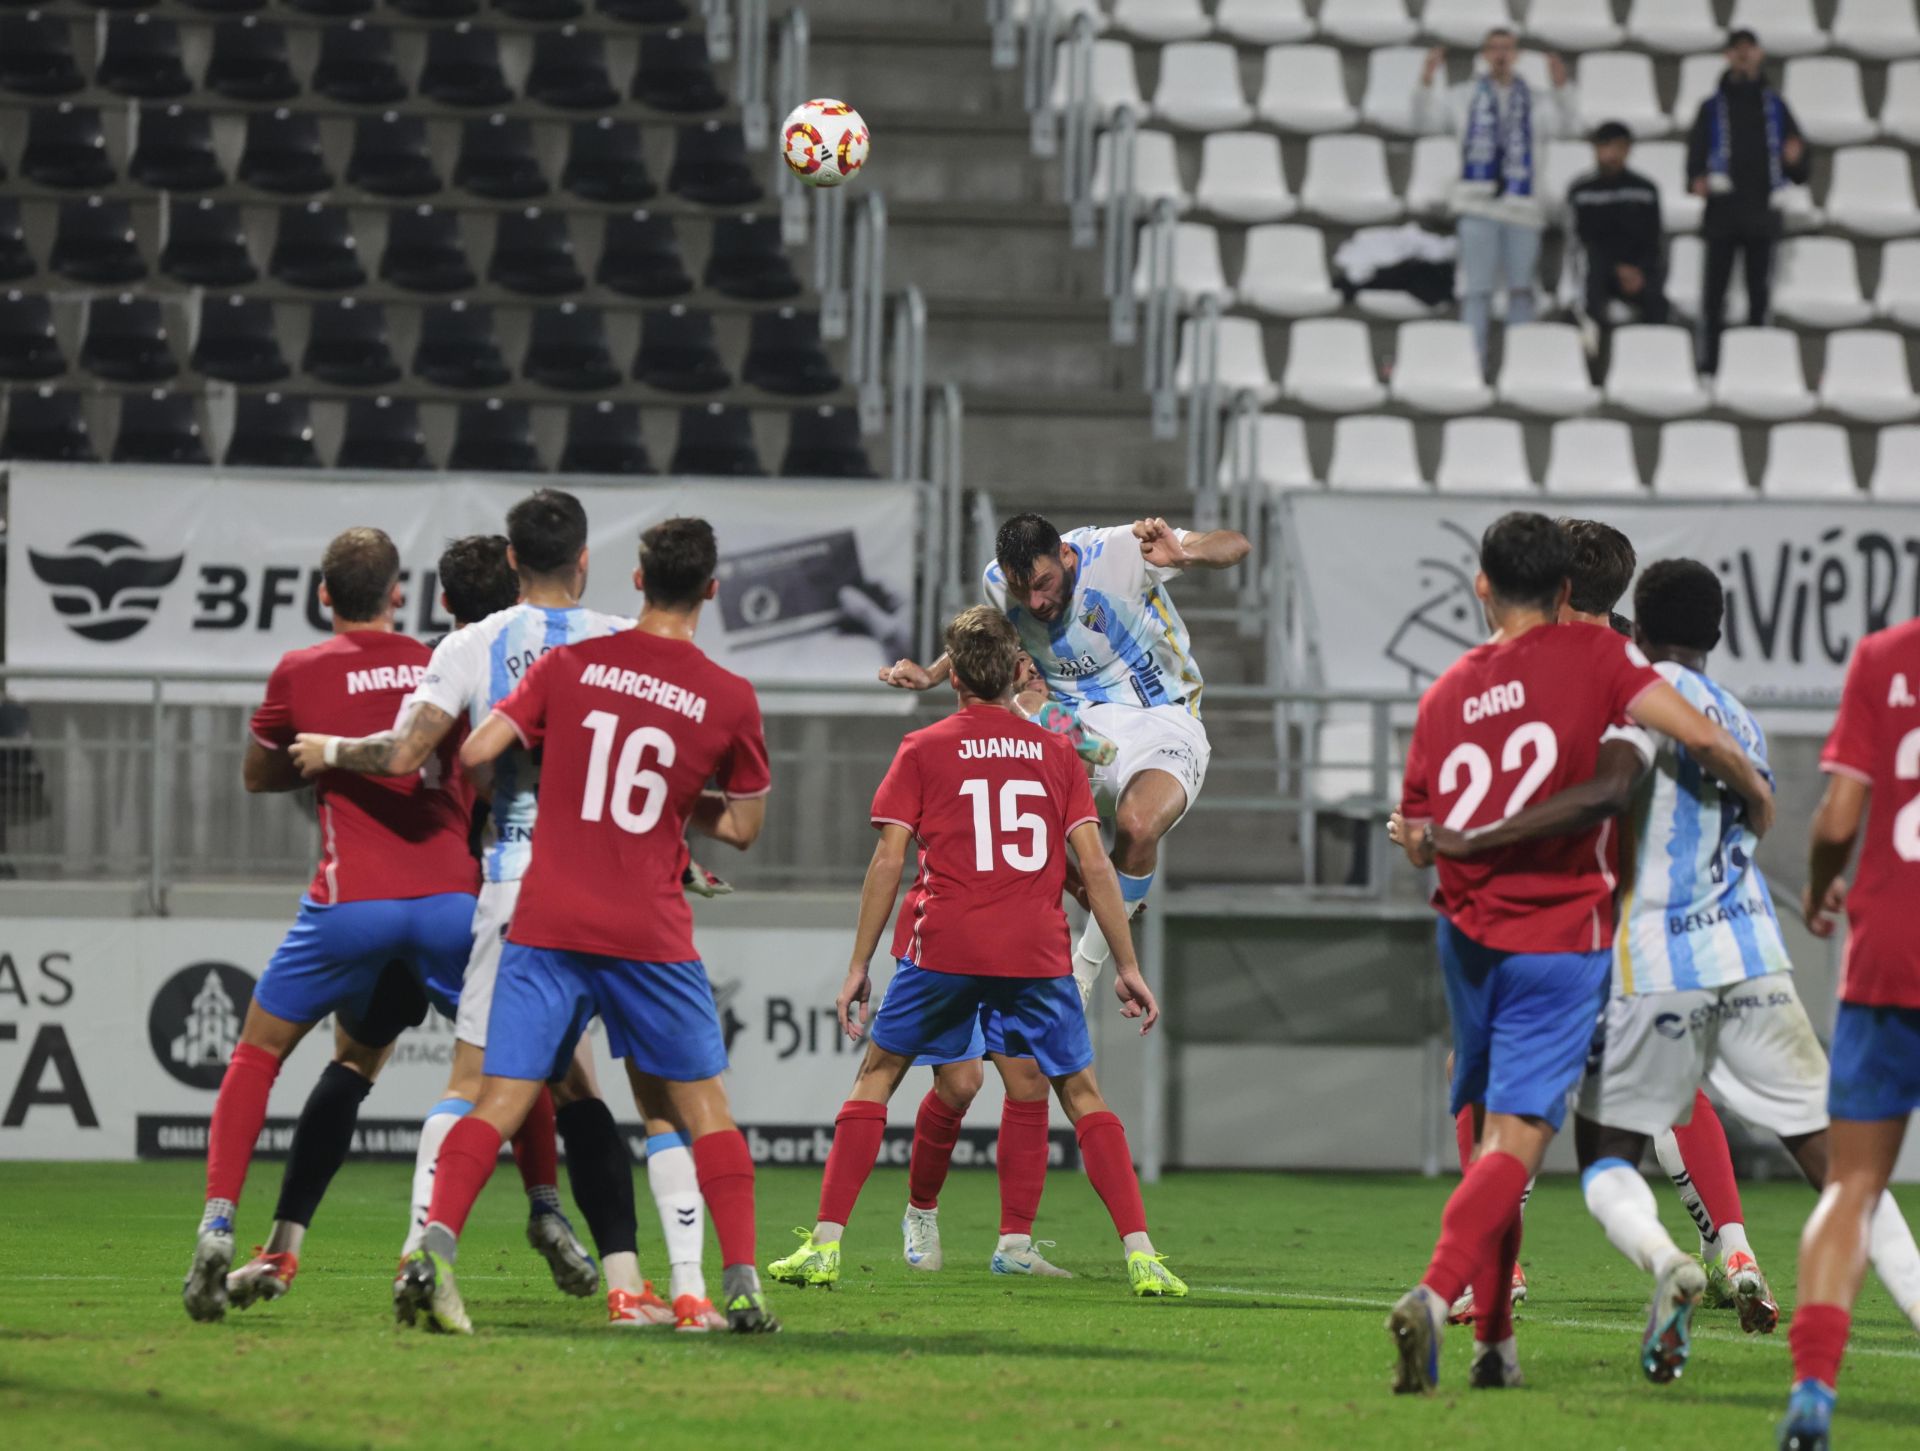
(1719, 140)
(1499, 151)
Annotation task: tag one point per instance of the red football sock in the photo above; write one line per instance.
(1463, 1135)
(1493, 1288)
(856, 1144)
(936, 1129)
(1103, 1148)
(1020, 1160)
(725, 1170)
(534, 1147)
(466, 1161)
(238, 1115)
(1703, 1149)
(1818, 1337)
(1477, 1215)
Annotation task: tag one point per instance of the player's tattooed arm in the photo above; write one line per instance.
(1664, 709)
(734, 820)
(264, 769)
(877, 894)
(397, 752)
(1607, 793)
(907, 675)
(1162, 546)
(1836, 827)
(1110, 911)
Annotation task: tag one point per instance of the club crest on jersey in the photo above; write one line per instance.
(1096, 618)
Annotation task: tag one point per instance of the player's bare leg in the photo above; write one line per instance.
(1109, 1165)
(1148, 807)
(1021, 1163)
(725, 1169)
(1890, 1244)
(936, 1129)
(675, 1183)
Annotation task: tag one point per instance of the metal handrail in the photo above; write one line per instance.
(1160, 355)
(830, 260)
(1203, 415)
(1246, 503)
(1076, 160)
(909, 385)
(1039, 78)
(718, 15)
(1121, 208)
(1006, 34)
(947, 475)
(789, 90)
(750, 73)
(868, 286)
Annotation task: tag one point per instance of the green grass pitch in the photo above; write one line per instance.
(1280, 1345)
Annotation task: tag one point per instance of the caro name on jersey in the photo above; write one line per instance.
(1121, 639)
(631, 728)
(472, 671)
(381, 837)
(1876, 740)
(991, 798)
(1508, 724)
(1697, 912)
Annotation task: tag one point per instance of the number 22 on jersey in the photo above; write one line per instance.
(1474, 761)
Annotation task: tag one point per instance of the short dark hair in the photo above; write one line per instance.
(1608, 131)
(548, 529)
(1741, 35)
(1526, 558)
(1603, 565)
(1499, 30)
(360, 568)
(1679, 602)
(677, 560)
(984, 650)
(1023, 539)
(476, 578)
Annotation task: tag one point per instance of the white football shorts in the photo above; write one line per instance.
(1150, 738)
(1750, 1043)
(491, 913)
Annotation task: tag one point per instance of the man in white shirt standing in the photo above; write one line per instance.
(1504, 128)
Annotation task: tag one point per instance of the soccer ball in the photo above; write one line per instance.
(824, 142)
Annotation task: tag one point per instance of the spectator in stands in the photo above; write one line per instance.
(1744, 148)
(1504, 129)
(1616, 215)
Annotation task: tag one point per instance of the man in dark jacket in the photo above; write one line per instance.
(1616, 215)
(1744, 147)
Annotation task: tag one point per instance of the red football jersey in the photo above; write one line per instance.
(381, 837)
(630, 727)
(991, 797)
(1876, 739)
(1508, 724)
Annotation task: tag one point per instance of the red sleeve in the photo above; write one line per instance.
(1415, 805)
(1849, 750)
(745, 772)
(272, 723)
(525, 707)
(898, 801)
(1629, 674)
(1079, 798)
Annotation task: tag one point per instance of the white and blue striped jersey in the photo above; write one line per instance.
(472, 671)
(1697, 912)
(1120, 639)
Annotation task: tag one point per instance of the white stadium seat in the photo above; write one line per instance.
(1617, 85)
(1896, 467)
(1436, 167)
(1392, 73)
(1263, 22)
(1367, 22)
(1566, 163)
(1651, 372)
(1065, 12)
(1114, 82)
(1701, 460)
(1574, 25)
(1679, 27)
(1664, 163)
(1483, 456)
(1866, 377)
(1785, 27)
(1900, 110)
(1436, 370)
(1241, 177)
(1156, 169)
(1685, 260)
(1816, 280)
(1823, 92)
(1883, 29)
(1373, 451)
(1285, 271)
(1592, 456)
(1200, 87)
(1304, 88)
(1242, 359)
(1162, 20)
(1898, 296)
(1543, 369)
(1809, 461)
(1197, 272)
(1699, 79)
(1330, 366)
(1279, 446)
(1761, 375)
(1346, 180)
(1872, 192)
(1464, 22)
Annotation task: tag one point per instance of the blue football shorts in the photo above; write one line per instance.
(332, 957)
(1876, 1063)
(950, 1017)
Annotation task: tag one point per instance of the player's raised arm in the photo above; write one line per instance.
(397, 752)
(1165, 547)
(1110, 911)
(265, 767)
(908, 675)
(1664, 709)
(496, 736)
(877, 894)
(1606, 793)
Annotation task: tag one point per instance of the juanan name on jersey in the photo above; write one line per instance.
(649, 688)
(1000, 748)
(384, 677)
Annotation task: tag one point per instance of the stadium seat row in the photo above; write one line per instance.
(1698, 459)
(274, 430)
(350, 344)
(1544, 369)
(459, 64)
(630, 12)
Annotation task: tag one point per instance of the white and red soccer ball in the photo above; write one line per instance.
(824, 142)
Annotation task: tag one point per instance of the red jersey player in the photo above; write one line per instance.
(981, 941)
(1523, 934)
(631, 727)
(1873, 765)
(395, 883)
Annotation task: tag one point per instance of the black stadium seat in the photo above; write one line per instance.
(330, 9)
(497, 160)
(237, 341)
(784, 354)
(604, 438)
(126, 341)
(249, 62)
(567, 349)
(46, 423)
(716, 439)
(533, 253)
(604, 162)
(710, 166)
(495, 436)
(458, 349)
(36, 55)
(315, 247)
(424, 252)
(272, 431)
(463, 68)
(390, 156)
(283, 153)
(227, 7)
(675, 73)
(159, 428)
(16, 261)
(175, 151)
(825, 443)
(749, 260)
(383, 433)
(641, 257)
(141, 58)
(356, 66)
(570, 71)
(207, 244)
(677, 352)
(647, 12)
(29, 348)
(347, 345)
(95, 242)
(66, 147)
(541, 12)
(437, 9)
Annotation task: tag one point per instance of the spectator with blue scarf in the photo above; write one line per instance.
(1504, 128)
(1745, 147)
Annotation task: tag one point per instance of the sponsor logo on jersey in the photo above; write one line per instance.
(106, 586)
(194, 1022)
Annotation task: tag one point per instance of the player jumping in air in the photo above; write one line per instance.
(471, 672)
(395, 883)
(1873, 765)
(630, 727)
(981, 942)
(1523, 935)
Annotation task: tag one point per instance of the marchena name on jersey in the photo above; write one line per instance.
(385, 677)
(649, 688)
(1000, 748)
